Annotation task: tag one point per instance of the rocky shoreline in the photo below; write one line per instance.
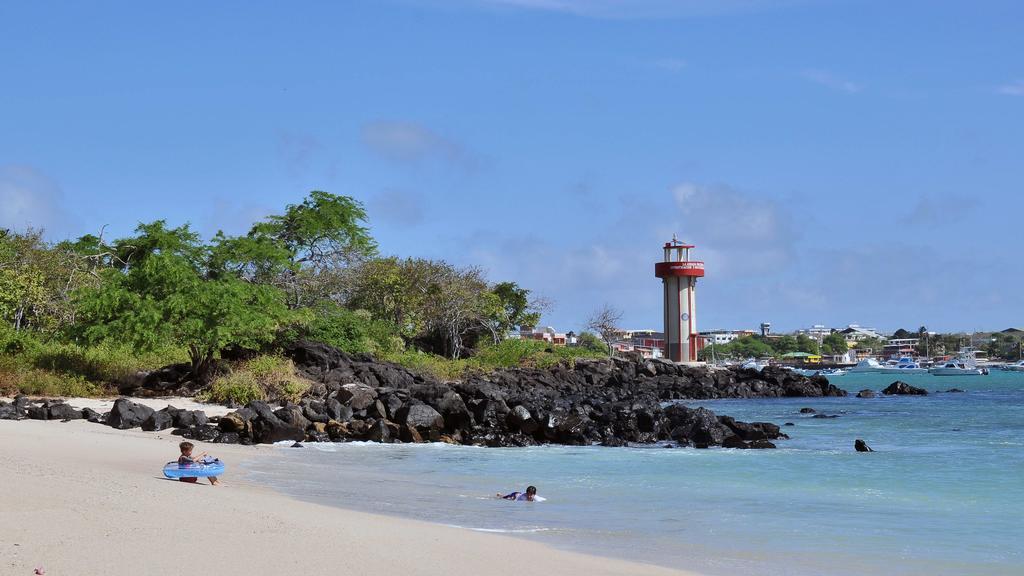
(612, 402)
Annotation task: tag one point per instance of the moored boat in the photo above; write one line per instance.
(1015, 367)
(957, 368)
(904, 365)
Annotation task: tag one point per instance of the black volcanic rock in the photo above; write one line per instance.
(127, 414)
(861, 446)
(902, 388)
(607, 401)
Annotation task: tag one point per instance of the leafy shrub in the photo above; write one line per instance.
(17, 379)
(353, 331)
(505, 354)
(104, 362)
(261, 378)
(240, 387)
(437, 366)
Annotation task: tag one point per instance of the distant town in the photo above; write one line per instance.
(817, 344)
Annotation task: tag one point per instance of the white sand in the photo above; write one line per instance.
(102, 405)
(80, 498)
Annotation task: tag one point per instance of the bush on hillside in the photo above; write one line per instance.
(261, 378)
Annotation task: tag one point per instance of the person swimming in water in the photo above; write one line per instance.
(529, 496)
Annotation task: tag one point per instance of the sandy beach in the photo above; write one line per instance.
(79, 498)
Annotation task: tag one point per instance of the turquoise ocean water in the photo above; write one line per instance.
(942, 494)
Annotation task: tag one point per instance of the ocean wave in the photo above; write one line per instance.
(504, 530)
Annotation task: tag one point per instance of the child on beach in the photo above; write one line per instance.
(529, 496)
(186, 458)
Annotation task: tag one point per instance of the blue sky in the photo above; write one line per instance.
(834, 161)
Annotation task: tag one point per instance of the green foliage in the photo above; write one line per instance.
(105, 362)
(352, 331)
(444, 307)
(33, 366)
(514, 307)
(834, 344)
(322, 225)
(262, 378)
(154, 239)
(530, 353)
(166, 300)
(740, 348)
(239, 387)
(439, 367)
(35, 382)
(591, 343)
(874, 344)
(35, 282)
(512, 353)
(806, 344)
(783, 344)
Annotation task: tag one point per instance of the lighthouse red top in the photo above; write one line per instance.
(677, 261)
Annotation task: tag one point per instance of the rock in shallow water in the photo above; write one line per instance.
(902, 388)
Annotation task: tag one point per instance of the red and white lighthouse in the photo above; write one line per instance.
(679, 276)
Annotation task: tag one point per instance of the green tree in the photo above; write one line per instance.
(323, 226)
(806, 344)
(834, 344)
(591, 342)
(36, 280)
(749, 347)
(307, 248)
(152, 239)
(166, 299)
(783, 344)
(516, 309)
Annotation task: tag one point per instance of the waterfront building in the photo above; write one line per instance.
(856, 333)
(899, 347)
(720, 337)
(546, 334)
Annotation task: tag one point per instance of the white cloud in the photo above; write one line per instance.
(396, 206)
(1012, 89)
(830, 80)
(28, 198)
(737, 233)
(742, 238)
(412, 142)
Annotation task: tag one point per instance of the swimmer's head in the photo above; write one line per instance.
(531, 491)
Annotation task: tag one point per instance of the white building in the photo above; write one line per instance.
(720, 337)
(857, 333)
(546, 334)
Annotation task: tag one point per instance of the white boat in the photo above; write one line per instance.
(867, 365)
(905, 365)
(753, 364)
(1015, 367)
(957, 367)
(832, 372)
(818, 371)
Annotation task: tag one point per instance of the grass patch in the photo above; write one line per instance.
(506, 354)
(30, 365)
(16, 378)
(430, 364)
(262, 378)
(103, 362)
